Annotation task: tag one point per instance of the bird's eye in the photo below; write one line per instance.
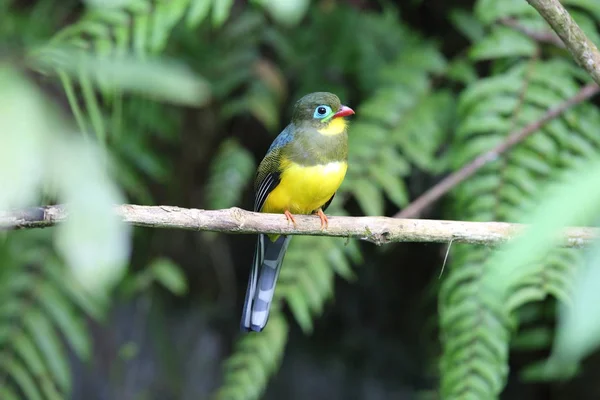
(322, 111)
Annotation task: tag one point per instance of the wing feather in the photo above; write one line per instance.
(265, 187)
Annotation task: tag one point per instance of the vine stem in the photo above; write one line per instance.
(415, 208)
(378, 230)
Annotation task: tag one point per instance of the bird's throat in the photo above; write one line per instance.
(335, 127)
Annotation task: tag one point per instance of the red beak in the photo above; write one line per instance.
(344, 111)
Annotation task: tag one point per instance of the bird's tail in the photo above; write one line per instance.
(268, 258)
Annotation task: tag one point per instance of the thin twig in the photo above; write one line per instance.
(539, 36)
(581, 48)
(378, 230)
(415, 208)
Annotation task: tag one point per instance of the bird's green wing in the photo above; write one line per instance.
(268, 174)
(268, 177)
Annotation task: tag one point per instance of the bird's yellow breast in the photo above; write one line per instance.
(303, 189)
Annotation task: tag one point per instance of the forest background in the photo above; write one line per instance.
(155, 102)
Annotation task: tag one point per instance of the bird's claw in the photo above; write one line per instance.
(323, 218)
(290, 217)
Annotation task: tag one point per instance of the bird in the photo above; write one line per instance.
(303, 168)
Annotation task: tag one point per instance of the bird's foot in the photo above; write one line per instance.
(323, 218)
(290, 217)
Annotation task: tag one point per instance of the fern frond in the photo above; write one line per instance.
(475, 329)
(108, 51)
(143, 25)
(116, 37)
(306, 280)
(256, 358)
(134, 143)
(241, 77)
(37, 313)
(199, 10)
(230, 172)
(554, 278)
(402, 122)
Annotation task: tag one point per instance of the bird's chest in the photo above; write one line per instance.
(303, 189)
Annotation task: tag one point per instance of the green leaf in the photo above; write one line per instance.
(263, 106)
(135, 152)
(49, 345)
(488, 11)
(255, 359)
(296, 298)
(230, 172)
(90, 304)
(50, 390)
(393, 185)
(94, 241)
(158, 78)
(8, 394)
(220, 11)
(589, 5)
(578, 332)
(533, 339)
(93, 107)
(26, 124)
(22, 378)
(67, 322)
(28, 352)
(467, 24)
(197, 12)
(368, 196)
(463, 71)
(570, 204)
(340, 263)
(503, 42)
(107, 4)
(549, 370)
(166, 15)
(170, 275)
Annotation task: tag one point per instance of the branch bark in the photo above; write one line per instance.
(378, 230)
(415, 208)
(581, 48)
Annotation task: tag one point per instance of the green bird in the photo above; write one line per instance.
(300, 174)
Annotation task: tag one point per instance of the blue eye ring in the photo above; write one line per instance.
(322, 111)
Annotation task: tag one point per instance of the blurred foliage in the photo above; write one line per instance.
(48, 280)
(40, 310)
(577, 334)
(525, 79)
(181, 98)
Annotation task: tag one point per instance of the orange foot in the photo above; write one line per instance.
(290, 217)
(323, 218)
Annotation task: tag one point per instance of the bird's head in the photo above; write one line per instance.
(323, 111)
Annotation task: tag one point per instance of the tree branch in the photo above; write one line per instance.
(581, 48)
(415, 208)
(378, 230)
